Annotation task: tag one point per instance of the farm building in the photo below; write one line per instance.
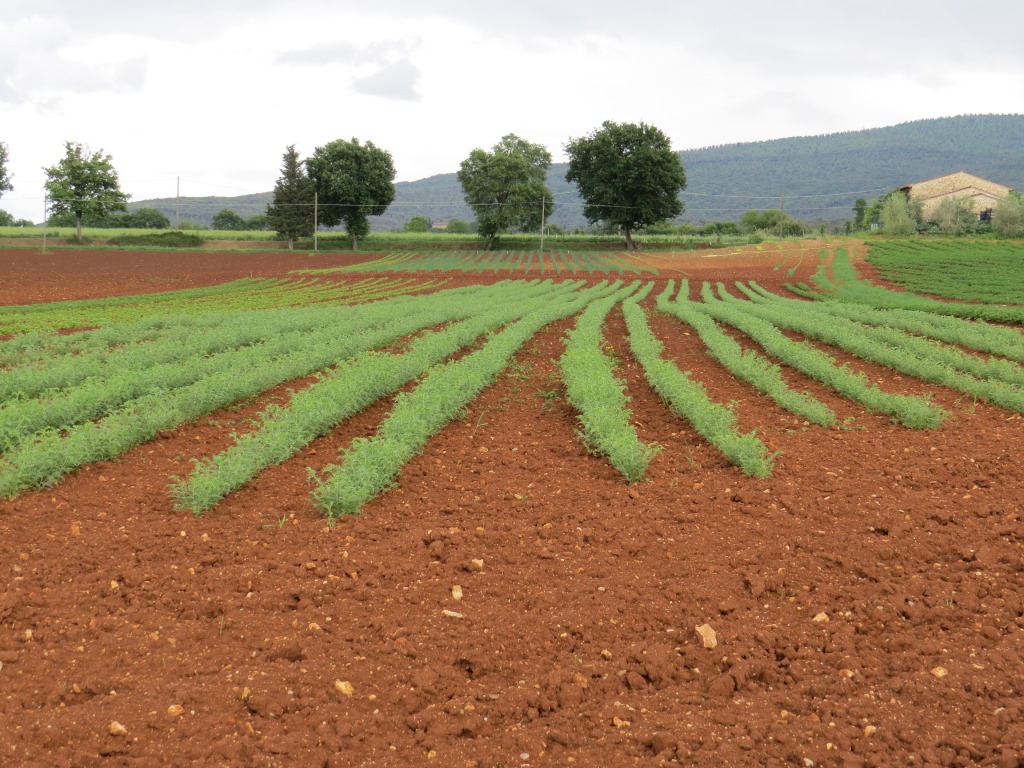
(956, 185)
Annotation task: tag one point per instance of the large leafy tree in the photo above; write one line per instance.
(899, 214)
(352, 181)
(5, 177)
(628, 176)
(505, 187)
(1008, 216)
(291, 213)
(228, 220)
(84, 184)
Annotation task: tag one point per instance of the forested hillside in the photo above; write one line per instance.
(816, 178)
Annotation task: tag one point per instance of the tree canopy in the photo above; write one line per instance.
(1008, 216)
(5, 177)
(417, 224)
(899, 214)
(352, 181)
(506, 186)
(627, 175)
(84, 183)
(773, 221)
(228, 220)
(291, 213)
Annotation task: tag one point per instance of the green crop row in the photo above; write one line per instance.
(747, 365)
(572, 262)
(986, 271)
(598, 395)
(995, 381)
(973, 334)
(371, 464)
(181, 338)
(689, 399)
(345, 391)
(52, 453)
(846, 286)
(237, 295)
(910, 411)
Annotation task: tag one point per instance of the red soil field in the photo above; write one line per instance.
(867, 600)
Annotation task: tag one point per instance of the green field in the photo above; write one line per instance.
(151, 363)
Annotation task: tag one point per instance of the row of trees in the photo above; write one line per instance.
(627, 174)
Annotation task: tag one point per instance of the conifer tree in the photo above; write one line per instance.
(291, 212)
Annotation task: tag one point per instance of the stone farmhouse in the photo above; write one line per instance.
(955, 185)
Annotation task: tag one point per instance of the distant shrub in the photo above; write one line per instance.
(161, 240)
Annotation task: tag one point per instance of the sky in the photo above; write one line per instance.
(202, 97)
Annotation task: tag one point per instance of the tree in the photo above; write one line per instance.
(860, 209)
(417, 224)
(1008, 216)
(505, 187)
(228, 220)
(291, 213)
(5, 177)
(148, 218)
(353, 181)
(84, 184)
(627, 175)
(955, 215)
(771, 222)
(257, 223)
(898, 215)
(458, 227)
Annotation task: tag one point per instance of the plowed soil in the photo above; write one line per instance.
(867, 600)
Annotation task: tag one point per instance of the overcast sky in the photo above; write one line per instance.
(212, 91)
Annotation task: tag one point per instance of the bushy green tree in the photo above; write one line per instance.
(771, 222)
(228, 220)
(459, 227)
(506, 187)
(955, 216)
(628, 176)
(5, 176)
(84, 184)
(291, 213)
(259, 222)
(353, 181)
(860, 209)
(148, 218)
(899, 215)
(1008, 216)
(417, 224)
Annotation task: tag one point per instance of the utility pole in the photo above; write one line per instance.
(543, 200)
(782, 211)
(315, 218)
(177, 205)
(46, 217)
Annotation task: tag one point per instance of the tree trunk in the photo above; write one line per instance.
(78, 227)
(291, 243)
(630, 245)
(355, 243)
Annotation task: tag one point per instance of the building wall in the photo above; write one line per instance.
(933, 191)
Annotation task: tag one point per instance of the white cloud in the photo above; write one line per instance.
(392, 81)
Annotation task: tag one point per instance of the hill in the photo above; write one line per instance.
(816, 178)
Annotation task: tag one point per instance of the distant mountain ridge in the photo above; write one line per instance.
(815, 178)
